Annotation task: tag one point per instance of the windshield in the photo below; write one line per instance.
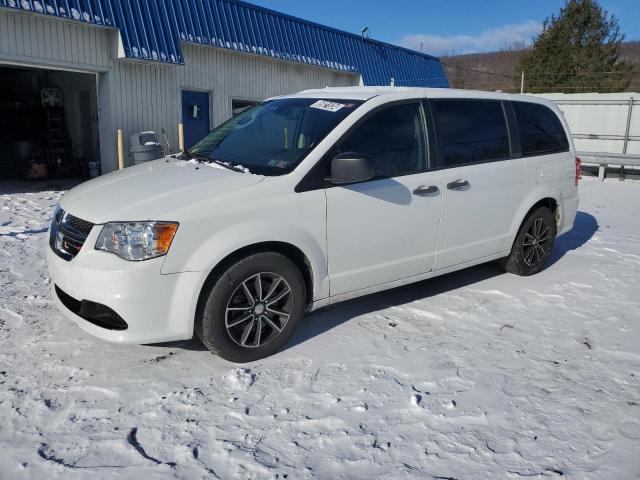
(273, 137)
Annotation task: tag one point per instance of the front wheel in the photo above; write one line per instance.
(252, 308)
(533, 244)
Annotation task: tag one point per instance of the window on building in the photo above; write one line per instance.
(239, 106)
(540, 129)
(470, 131)
(394, 140)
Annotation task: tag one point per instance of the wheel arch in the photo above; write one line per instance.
(288, 250)
(549, 202)
(544, 197)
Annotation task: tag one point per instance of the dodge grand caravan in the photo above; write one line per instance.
(306, 200)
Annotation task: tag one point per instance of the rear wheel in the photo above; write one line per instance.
(533, 244)
(252, 309)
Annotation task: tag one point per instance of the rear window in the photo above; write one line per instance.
(541, 131)
(470, 131)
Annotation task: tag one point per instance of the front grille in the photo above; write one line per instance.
(96, 313)
(78, 225)
(68, 234)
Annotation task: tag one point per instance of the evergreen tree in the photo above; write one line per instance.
(577, 51)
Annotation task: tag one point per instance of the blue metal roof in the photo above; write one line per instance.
(153, 29)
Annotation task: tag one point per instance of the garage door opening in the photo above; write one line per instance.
(48, 124)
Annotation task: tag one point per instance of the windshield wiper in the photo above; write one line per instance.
(226, 165)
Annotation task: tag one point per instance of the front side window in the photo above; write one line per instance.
(540, 129)
(470, 131)
(273, 137)
(393, 139)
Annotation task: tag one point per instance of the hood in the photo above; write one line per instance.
(147, 191)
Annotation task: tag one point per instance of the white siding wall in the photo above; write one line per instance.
(147, 96)
(36, 39)
(138, 96)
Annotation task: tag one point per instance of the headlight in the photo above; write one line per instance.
(137, 240)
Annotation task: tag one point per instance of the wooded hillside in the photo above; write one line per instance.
(498, 70)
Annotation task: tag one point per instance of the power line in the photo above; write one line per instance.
(473, 69)
(477, 77)
(505, 75)
(548, 74)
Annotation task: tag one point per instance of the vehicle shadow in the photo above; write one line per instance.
(585, 226)
(385, 189)
(330, 317)
(194, 344)
(325, 319)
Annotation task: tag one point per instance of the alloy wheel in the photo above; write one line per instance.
(258, 310)
(536, 242)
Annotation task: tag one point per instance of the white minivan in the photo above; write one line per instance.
(306, 200)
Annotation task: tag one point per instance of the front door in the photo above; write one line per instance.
(195, 116)
(384, 229)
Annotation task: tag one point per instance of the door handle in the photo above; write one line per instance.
(459, 185)
(424, 191)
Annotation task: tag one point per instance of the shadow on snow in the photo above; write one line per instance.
(585, 226)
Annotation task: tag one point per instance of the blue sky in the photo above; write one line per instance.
(446, 27)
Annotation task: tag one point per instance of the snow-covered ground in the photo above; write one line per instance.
(477, 374)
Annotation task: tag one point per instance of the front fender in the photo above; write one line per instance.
(223, 243)
(208, 234)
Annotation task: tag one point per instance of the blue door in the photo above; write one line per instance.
(195, 116)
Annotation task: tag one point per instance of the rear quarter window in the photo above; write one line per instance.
(541, 131)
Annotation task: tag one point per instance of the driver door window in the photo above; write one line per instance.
(393, 139)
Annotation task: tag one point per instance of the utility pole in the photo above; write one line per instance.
(522, 83)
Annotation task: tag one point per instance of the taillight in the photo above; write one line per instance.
(578, 169)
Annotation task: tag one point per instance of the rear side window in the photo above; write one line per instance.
(541, 131)
(470, 131)
(394, 140)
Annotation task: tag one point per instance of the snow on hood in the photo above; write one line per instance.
(147, 191)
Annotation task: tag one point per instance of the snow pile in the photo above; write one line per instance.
(477, 374)
(197, 163)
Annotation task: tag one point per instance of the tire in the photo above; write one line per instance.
(237, 306)
(533, 244)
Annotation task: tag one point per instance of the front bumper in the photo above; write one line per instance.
(156, 307)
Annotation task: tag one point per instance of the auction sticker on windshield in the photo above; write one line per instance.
(326, 105)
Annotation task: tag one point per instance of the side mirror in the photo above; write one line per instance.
(350, 167)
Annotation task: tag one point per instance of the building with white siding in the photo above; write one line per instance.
(139, 66)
